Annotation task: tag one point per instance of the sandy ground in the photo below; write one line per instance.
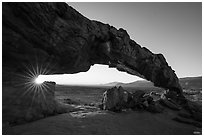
(93, 121)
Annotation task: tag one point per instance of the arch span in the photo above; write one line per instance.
(57, 33)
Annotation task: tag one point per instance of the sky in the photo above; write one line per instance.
(173, 29)
(98, 74)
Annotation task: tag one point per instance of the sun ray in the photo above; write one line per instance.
(29, 82)
(40, 69)
(46, 88)
(43, 94)
(22, 76)
(44, 70)
(28, 79)
(30, 73)
(33, 98)
(37, 69)
(28, 90)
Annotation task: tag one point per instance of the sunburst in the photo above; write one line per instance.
(32, 82)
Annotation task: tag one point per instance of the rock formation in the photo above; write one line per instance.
(115, 99)
(60, 39)
(23, 104)
(53, 38)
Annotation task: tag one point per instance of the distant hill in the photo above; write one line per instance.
(139, 83)
(187, 83)
(191, 82)
(112, 84)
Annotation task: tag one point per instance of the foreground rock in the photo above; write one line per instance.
(57, 37)
(20, 106)
(116, 99)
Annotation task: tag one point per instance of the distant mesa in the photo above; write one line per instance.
(186, 83)
(191, 82)
(139, 83)
(112, 84)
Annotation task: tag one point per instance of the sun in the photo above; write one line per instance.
(39, 80)
(32, 79)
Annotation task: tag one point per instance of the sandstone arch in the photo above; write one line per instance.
(57, 33)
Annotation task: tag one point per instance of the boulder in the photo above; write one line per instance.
(115, 99)
(138, 100)
(21, 107)
(156, 96)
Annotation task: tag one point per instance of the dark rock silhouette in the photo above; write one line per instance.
(37, 33)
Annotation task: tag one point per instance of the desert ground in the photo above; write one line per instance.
(84, 117)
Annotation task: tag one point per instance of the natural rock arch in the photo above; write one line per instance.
(58, 34)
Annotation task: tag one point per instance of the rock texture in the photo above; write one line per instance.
(62, 40)
(117, 99)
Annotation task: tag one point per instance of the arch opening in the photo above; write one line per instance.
(96, 75)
